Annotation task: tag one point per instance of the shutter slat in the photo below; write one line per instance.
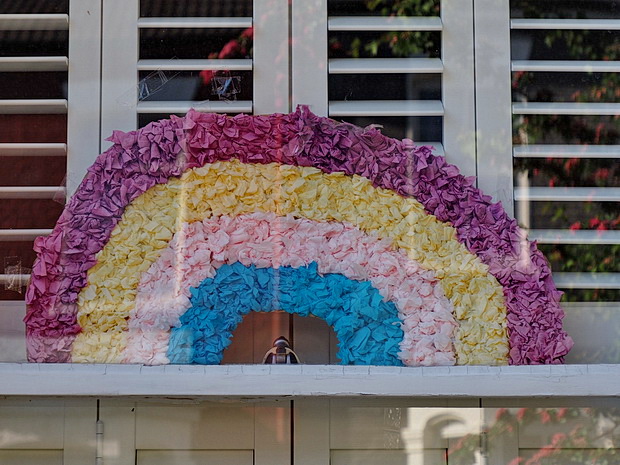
(565, 108)
(22, 234)
(194, 65)
(590, 24)
(9, 278)
(566, 151)
(25, 64)
(31, 192)
(35, 106)
(587, 280)
(202, 23)
(238, 106)
(386, 108)
(565, 236)
(33, 149)
(568, 194)
(34, 22)
(385, 65)
(384, 23)
(567, 66)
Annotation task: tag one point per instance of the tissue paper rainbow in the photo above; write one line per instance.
(183, 227)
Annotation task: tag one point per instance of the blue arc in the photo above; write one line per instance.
(368, 328)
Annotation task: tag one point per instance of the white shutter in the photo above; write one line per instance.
(49, 60)
(146, 74)
(47, 432)
(195, 432)
(499, 31)
(436, 101)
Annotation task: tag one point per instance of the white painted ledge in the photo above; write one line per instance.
(259, 381)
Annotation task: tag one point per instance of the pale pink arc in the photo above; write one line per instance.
(265, 240)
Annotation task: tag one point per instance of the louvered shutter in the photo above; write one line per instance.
(347, 64)
(557, 151)
(162, 58)
(49, 113)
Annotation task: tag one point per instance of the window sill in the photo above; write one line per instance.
(273, 381)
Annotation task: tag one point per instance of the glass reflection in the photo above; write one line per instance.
(473, 436)
(383, 7)
(385, 87)
(568, 172)
(566, 9)
(399, 44)
(190, 8)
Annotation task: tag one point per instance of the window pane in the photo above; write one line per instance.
(203, 8)
(582, 257)
(195, 85)
(194, 43)
(568, 172)
(590, 9)
(33, 85)
(40, 6)
(418, 128)
(382, 8)
(565, 87)
(33, 128)
(563, 129)
(578, 215)
(34, 43)
(393, 44)
(564, 44)
(385, 87)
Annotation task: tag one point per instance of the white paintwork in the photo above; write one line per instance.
(598, 280)
(592, 327)
(23, 64)
(567, 66)
(33, 431)
(565, 236)
(31, 192)
(258, 381)
(194, 457)
(311, 433)
(202, 427)
(33, 149)
(493, 98)
(22, 234)
(83, 119)
(217, 106)
(191, 430)
(565, 108)
(195, 65)
(309, 67)
(548, 23)
(33, 106)
(34, 22)
(384, 65)
(386, 108)
(199, 23)
(272, 433)
(457, 85)
(384, 23)
(271, 57)
(568, 194)
(12, 330)
(566, 151)
(119, 77)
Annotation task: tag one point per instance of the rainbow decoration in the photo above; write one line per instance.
(183, 227)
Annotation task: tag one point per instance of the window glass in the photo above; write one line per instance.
(566, 9)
